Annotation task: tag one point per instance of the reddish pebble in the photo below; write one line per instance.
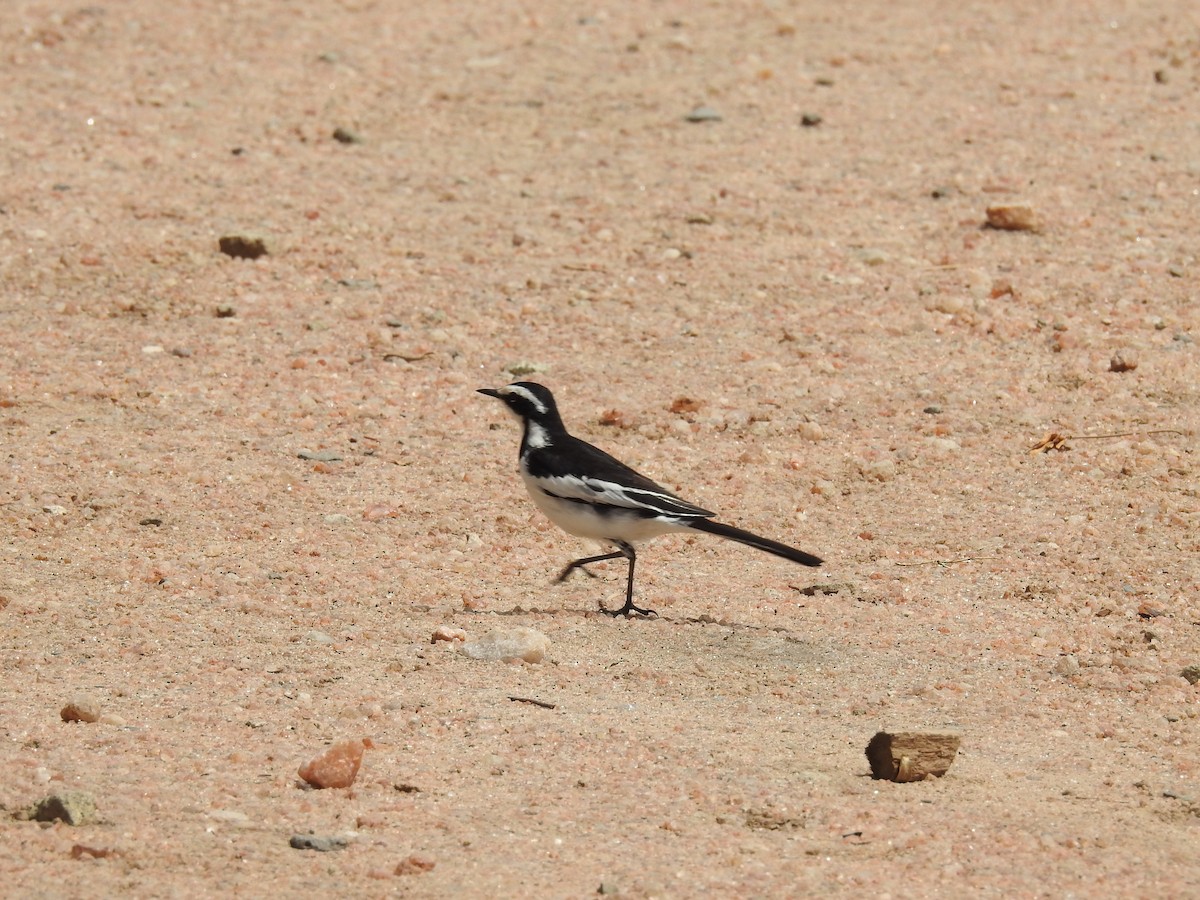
(378, 511)
(415, 865)
(337, 767)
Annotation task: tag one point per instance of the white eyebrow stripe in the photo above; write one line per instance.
(526, 393)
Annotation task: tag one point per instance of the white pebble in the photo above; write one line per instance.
(523, 643)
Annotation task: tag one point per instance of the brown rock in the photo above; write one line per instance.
(242, 246)
(416, 864)
(337, 767)
(1013, 218)
(81, 709)
(1123, 361)
(912, 755)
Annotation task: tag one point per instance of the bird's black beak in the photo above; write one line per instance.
(491, 392)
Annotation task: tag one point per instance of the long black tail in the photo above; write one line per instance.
(753, 540)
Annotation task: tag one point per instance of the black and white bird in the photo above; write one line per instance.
(588, 493)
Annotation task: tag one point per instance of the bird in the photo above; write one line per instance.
(590, 494)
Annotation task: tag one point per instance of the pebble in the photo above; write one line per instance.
(872, 256)
(811, 120)
(377, 511)
(81, 709)
(71, 807)
(951, 304)
(522, 642)
(54, 510)
(1013, 218)
(321, 455)
(242, 246)
(522, 368)
(1123, 361)
(879, 470)
(337, 519)
(1067, 665)
(337, 767)
(811, 431)
(447, 633)
(320, 844)
(346, 136)
(1192, 674)
(703, 114)
(416, 864)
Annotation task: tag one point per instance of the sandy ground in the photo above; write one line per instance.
(792, 313)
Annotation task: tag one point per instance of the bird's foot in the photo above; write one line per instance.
(629, 610)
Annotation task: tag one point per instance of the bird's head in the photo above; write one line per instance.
(526, 400)
(534, 405)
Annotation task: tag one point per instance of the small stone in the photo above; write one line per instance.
(337, 519)
(872, 256)
(703, 114)
(1013, 218)
(811, 431)
(912, 755)
(1067, 666)
(520, 369)
(932, 410)
(1150, 611)
(377, 511)
(811, 120)
(416, 864)
(225, 311)
(951, 304)
(879, 470)
(54, 509)
(71, 807)
(337, 767)
(81, 709)
(1191, 673)
(522, 642)
(319, 844)
(1123, 361)
(242, 246)
(447, 633)
(346, 136)
(321, 455)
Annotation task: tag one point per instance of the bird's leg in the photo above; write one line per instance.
(626, 550)
(581, 565)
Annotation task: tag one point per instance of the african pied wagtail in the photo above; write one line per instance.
(590, 494)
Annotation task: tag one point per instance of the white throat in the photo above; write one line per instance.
(536, 436)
